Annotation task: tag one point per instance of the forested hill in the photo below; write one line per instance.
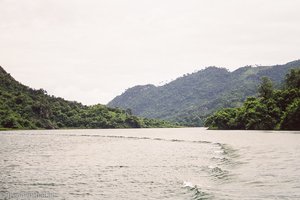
(191, 98)
(24, 108)
(271, 110)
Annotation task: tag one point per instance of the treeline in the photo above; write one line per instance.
(271, 110)
(24, 108)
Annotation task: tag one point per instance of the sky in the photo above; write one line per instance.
(93, 50)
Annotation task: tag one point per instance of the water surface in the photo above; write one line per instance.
(189, 163)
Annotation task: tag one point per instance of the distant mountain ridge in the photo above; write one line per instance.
(189, 99)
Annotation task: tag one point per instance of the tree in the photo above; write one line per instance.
(10, 122)
(265, 90)
(293, 79)
(291, 118)
(272, 110)
(223, 119)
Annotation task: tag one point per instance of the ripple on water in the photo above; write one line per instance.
(196, 192)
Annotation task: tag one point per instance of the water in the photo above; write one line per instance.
(149, 164)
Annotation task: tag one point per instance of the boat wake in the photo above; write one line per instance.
(196, 192)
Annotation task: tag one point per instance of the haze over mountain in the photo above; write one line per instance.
(192, 97)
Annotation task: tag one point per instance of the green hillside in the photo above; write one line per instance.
(191, 98)
(272, 109)
(24, 108)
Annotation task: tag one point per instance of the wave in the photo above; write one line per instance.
(124, 137)
(138, 138)
(196, 192)
(226, 155)
(219, 173)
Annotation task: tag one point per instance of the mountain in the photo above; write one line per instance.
(24, 108)
(191, 98)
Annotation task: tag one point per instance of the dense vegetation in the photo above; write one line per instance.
(190, 99)
(272, 109)
(24, 108)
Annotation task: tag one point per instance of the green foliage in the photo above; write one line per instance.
(24, 108)
(293, 79)
(265, 90)
(278, 109)
(291, 118)
(190, 99)
(223, 119)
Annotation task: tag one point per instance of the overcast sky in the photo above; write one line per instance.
(92, 50)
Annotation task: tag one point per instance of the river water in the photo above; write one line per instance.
(185, 163)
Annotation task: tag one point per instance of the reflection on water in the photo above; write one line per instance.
(149, 164)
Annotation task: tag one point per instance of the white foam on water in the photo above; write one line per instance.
(188, 184)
